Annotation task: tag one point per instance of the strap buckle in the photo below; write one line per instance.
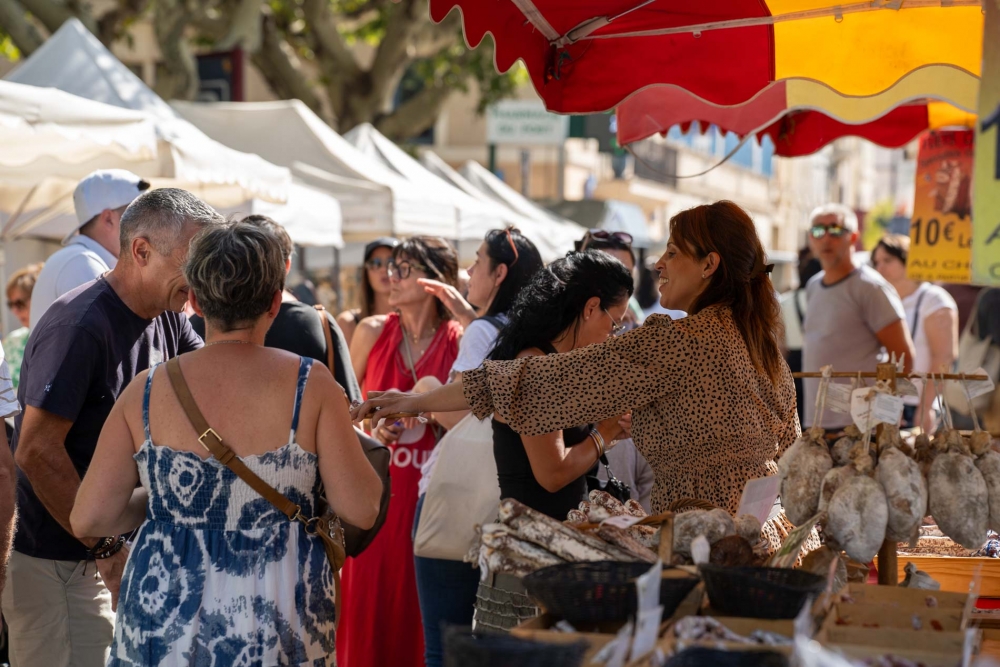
(308, 523)
(201, 438)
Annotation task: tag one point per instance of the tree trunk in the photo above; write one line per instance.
(15, 21)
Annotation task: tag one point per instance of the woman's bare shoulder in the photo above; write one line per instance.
(530, 352)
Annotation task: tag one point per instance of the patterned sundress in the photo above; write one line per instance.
(217, 576)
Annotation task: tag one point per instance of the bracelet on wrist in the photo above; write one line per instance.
(598, 441)
(106, 547)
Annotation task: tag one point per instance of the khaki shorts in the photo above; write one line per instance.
(57, 614)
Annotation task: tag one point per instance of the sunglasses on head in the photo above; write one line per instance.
(819, 231)
(624, 238)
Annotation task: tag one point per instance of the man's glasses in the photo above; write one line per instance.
(402, 270)
(377, 264)
(17, 304)
(623, 238)
(616, 326)
(819, 231)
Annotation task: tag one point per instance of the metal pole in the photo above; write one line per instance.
(493, 158)
(526, 173)
(888, 566)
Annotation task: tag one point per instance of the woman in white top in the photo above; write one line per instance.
(931, 316)
(505, 262)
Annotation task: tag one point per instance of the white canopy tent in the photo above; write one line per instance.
(74, 61)
(375, 200)
(477, 215)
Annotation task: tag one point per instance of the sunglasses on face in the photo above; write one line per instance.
(17, 304)
(819, 231)
(616, 326)
(402, 270)
(377, 264)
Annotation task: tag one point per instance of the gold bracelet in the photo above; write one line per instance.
(598, 441)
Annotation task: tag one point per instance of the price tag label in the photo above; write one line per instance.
(838, 398)
(759, 496)
(647, 630)
(979, 387)
(906, 388)
(619, 647)
(623, 521)
(869, 408)
(648, 587)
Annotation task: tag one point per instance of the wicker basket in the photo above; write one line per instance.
(760, 592)
(688, 504)
(463, 648)
(599, 592)
(503, 605)
(710, 657)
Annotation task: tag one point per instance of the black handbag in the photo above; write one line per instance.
(357, 540)
(614, 486)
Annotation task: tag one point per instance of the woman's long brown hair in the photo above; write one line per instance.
(741, 281)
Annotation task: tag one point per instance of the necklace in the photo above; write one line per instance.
(417, 339)
(228, 342)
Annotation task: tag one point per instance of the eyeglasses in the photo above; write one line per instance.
(17, 304)
(616, 326)
(401, 270)
(377, 264)
(623, 238)
(819, 231)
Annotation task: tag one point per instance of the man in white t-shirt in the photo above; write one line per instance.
(854, 317)
(100, 199)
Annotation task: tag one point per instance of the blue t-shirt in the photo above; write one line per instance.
(84, 351)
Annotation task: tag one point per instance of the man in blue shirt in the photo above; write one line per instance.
(84, 351)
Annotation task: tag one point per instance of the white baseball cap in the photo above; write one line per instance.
(105, 189)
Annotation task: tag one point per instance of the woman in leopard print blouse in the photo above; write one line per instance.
(712, 401)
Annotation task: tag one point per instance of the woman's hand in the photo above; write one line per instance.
(381, 404)
(452, 300)
(612, 430)
(626, 425)
(388, 433)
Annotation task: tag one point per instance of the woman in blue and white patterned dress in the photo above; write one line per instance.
(217, 576)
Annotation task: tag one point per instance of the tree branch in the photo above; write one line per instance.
(15, 22)
(110, 27)
(53, 13)
(405, 18)
(323, 26)
(244, 27)
(282, 69)
(417, 114)
(170, 19)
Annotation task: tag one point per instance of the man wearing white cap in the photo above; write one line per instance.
(100, 199)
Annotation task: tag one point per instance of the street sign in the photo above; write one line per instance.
(524, 123)
(986, 196)
(941, 229)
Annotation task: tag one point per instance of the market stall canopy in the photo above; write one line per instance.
(375, 200)
(45, 124)
(44, 210)
(803, 116)
(74, 61)
(610, 215)
(496, 189)
(477, 215)
(586, 57)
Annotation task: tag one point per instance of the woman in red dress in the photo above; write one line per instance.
(380, 615)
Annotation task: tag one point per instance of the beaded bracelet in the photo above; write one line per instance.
(107, 547)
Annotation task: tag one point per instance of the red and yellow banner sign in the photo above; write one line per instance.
(986, 239)
(941, 228)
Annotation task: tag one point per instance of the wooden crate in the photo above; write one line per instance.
(541, 629)
(934, 649)
(877, 616)
(955, 573)
(903, 598)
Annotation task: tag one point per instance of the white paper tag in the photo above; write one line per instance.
(838, 398)
(884, 408)
(647, 631)
(979, 387)
(621, 644)
(622, 521)
(564, 626)
(759, 496)
(700, 550)
(906, 388)
(648, 587)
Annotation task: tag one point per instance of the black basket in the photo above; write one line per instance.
(463, 648)
(709, 657)
(760, 592)
(599, 592)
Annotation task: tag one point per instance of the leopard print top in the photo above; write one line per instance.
(702, 416)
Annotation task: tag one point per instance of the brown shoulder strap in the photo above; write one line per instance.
(211, 441)
(327, 334)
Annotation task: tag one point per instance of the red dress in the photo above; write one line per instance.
(380, 615)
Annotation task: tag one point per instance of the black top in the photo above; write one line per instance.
(297, 329)
(80, 356)
(518, 481)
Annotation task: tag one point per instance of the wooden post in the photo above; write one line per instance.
(888, 568)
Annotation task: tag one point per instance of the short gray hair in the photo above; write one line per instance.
(234, 270)
(847, 217)
(160, 215)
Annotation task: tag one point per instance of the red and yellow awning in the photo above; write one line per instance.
(802, 116)
(587, 56)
